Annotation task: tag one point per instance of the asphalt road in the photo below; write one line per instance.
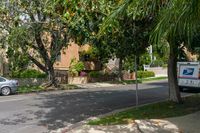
(40, 113)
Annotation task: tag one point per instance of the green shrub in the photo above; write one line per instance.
(15, 74)
(157, 63)
(145, 74)
(29, 73)
(90, 55)
(165, 65)
(95, 74)
(29, 89)
(76, 67)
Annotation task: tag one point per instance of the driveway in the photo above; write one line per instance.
(40, 113)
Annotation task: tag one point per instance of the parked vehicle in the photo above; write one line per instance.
(188, 75)
(7, 86)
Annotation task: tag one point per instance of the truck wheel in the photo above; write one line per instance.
(181, 89)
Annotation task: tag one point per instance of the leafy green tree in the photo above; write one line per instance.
(119, 39)
(161, 51)
(17, 62)
(37, 29)
(86, 17)
(131, 38)
(85, 22)
(195, 45)
(177, 23)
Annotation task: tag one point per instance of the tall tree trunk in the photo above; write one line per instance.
(120, 69)
(52, 77)
(174, 93)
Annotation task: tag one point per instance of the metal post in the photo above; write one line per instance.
(136, 81)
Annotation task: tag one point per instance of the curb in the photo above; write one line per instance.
(81, 123)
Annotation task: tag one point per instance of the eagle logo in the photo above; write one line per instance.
(188, 71)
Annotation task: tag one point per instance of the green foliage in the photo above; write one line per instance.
(85, 21)
(178, 21)
(95, 74)
(16, 60)
(129, 64)
(145, 59)
(90, 55)
(29, 73)
(161, 51)
(76, 67)
(119, 39)
(145, 74)
(29, 89)
(131, 81)
(153, 79)
(37, 30)
(157, 63)
(195, 45)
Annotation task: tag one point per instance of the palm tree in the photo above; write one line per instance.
(178, 21)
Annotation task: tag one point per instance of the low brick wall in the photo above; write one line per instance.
(102, 79)
(31, 81)
(159, 71)
(77, 80)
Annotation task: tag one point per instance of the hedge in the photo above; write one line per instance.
(29, 73)
(145, 74)
(95, 74)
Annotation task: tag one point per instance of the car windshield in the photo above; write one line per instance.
(2, 79)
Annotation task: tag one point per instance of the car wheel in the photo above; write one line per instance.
(5, 91)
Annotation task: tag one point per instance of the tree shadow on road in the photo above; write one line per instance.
(60, 110)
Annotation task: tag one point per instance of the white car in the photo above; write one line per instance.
(7, 86)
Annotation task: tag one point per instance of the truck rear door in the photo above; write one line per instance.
(188, 75)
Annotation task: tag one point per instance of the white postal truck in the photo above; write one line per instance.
(188, 75)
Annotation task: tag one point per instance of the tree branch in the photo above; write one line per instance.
(37, 63)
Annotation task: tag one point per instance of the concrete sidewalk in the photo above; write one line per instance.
(184, 124)
(97, 85)
(138, 126)
(105, 84)
(188, 123)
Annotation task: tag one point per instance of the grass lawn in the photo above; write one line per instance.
(130, 81)
(153, 79)
(29, 89)
(141, 80)
(153, 111)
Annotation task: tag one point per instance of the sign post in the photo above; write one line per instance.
(136, 81)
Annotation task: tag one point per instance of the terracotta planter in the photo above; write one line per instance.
(129, 76)
(132, 76)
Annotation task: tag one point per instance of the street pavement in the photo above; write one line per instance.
(43, 112)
